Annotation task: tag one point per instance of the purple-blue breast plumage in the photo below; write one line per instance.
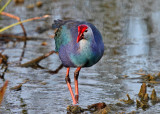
(78, 43)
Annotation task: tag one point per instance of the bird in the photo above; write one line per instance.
(79, 44)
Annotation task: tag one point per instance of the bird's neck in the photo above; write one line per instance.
(85, 45)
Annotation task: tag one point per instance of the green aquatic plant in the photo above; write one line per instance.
(15, 17)
(7, 3)
(27, 20)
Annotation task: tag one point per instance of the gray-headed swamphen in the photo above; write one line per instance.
(79, 44)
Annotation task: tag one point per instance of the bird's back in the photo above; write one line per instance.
(64, 32)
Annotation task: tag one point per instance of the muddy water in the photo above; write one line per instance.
(131, 33)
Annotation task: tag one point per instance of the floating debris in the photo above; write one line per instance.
(142, 74)
(39, 4)
(16, 88)
(142, 91)
(146, 97)
(138, 103)
(4, 64)
(74, 109)
(34, 63)
(120, 104)
(18, 1)
(140, 70)
(143, 105)
(105, 110)
(42, 29)
(125, 76)
(3, 90)
(3, 59)
(30, 6)
(25, 81)
(43, 83)
(129, 101)
(150, 77)
(19, 87)
(158, 75)
(154, 97)
(44, 43)
(97, 106)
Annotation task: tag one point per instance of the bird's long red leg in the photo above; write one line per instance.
(76, 74)
(69, 86)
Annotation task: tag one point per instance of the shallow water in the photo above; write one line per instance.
(131, 34)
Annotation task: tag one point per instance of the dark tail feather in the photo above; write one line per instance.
(57, 23)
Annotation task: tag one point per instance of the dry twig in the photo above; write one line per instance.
(34, 62)
(2, 91)
(17, 18)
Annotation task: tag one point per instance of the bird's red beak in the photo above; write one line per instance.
(81, 29)
(79, 37)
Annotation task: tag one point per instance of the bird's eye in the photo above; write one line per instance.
(85, 30)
